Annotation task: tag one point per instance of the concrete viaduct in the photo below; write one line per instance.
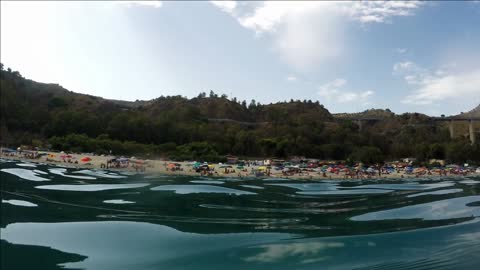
(471, 120)
(361, 120)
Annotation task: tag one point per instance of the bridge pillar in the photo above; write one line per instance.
(450, 128)
(359, 123)
(472, 132)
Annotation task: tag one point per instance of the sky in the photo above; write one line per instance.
(408, 56)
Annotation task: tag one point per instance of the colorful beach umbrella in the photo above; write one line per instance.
(85, 159)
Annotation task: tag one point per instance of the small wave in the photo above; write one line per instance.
(251, 186)
(62, 172)
(437, 210)
(100, 174)
(469, 182)
(207, 182)
(409, 186)
(346, 192)
(437, 192)
(308, 187)
(26, 165)
(281, 210)
(93, 187)
(189, 189)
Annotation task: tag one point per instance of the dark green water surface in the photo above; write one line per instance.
(65, 218)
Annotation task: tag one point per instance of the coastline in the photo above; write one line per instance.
(161, 167)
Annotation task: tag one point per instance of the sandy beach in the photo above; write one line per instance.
(186, 168)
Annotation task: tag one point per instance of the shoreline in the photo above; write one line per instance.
(161, 167)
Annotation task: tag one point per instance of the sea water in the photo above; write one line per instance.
(65, 218)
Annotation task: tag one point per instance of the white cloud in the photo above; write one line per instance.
(333, 92)
(381, 11)
(401, 50)
(404, 66)
(440, 85)
(306, 33)
(412, 73)
(154, 4)
(227, 6)
(292, 78)
(464, 86)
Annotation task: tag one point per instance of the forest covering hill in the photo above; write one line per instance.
(210, 126)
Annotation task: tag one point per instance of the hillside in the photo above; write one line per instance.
(48, 115)
(473, 113)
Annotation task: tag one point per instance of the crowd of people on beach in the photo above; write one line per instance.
(295, 168)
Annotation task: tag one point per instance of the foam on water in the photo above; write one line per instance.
(189, 189)
(93, 187)
(25, 174)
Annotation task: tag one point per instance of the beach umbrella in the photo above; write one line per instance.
(262, 168)
(240, 167)
(51, 155)
(171, 165)
(85, 159)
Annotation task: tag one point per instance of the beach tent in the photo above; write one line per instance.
(197, 164)
(225, 166)
(85, 159)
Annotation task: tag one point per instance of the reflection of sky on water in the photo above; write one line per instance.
(19, 203)
(409, 186)
(25, 174)
(62, 172)
(437, 192)
(134, 245)
(91, 187)
(305, 187)
(136, 227)
(346, 192)
(189, 189)
(120, 201)
(444, 209)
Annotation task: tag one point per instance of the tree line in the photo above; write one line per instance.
(178, 127)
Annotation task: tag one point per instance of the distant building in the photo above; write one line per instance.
(409, 160)
(231, 159)
(439, 161)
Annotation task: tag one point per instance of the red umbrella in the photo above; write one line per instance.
(85, 159)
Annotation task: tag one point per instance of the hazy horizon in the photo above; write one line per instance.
(408, 56)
